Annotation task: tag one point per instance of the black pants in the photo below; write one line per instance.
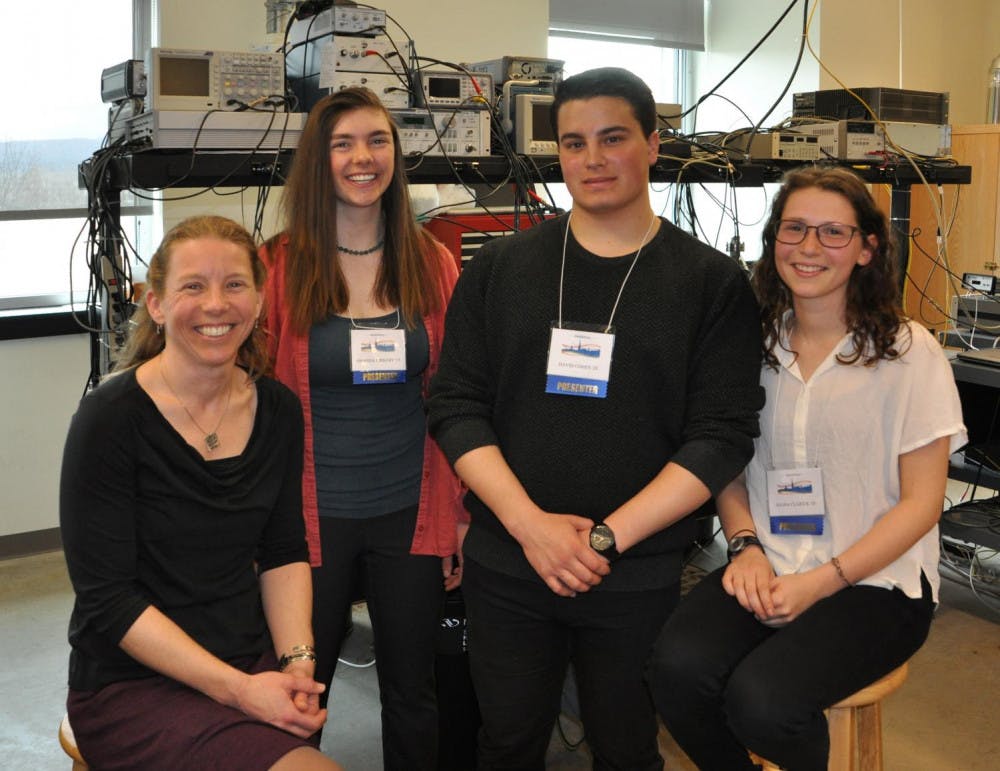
(724, 683)
(521, 639)
(405, 593)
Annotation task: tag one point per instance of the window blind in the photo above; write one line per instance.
(668, 23)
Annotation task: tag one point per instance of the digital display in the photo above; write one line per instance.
(184, 76)
(444, 88)
(533, 134)
(541, 128)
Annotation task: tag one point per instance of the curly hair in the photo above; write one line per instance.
(874, 312)
(144, 339)
(315, 286)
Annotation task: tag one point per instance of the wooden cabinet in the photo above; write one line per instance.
(972, 217)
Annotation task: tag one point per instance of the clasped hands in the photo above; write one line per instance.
(774, 600)
(558, 547)
(288, 700)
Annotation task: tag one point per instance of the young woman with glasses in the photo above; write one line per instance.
(832, 576)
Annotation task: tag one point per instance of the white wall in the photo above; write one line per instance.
(926, 45)
(41, 381)
(733, 27)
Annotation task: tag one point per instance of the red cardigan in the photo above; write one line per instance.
(440, 506)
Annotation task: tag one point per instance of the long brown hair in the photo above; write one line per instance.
(315, 287)
(145, 339)
(874, 312)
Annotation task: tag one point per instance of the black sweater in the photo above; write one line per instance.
(684, 383)
(147, 521)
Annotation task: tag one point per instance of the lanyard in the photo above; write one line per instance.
(562, 271)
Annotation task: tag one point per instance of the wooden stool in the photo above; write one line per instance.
(856, 727)
(68, 742)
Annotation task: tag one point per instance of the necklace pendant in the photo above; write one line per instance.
(212, 440)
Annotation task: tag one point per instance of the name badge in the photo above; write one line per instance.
(579, 363)
(795, 501)
(378, 356)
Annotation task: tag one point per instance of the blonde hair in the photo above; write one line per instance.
(145, 339)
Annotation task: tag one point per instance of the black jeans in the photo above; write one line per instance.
(521, 639)
(724, 683)
(405, 594)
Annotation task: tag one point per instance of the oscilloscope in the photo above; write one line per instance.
(182, 79)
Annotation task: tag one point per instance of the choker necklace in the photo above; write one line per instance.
(369, 250)
(356, 325)
(211, 439)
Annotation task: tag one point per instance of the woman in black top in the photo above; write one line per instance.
(180, 508)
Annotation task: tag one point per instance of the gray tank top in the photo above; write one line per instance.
(368, 440)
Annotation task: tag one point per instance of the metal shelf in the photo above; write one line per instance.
(159, 169)
(184, 169)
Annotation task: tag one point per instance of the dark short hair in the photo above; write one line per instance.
(607, 81)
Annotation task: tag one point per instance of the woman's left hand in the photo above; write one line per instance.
(306, 703)
(795, 593)
(272, 697)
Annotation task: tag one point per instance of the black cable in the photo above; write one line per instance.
(220, 182)
(741, 62)
(108, 305)
(108, 251)
(795, 69)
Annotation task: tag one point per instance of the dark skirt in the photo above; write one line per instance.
(159, 723)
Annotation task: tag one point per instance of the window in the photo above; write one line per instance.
(50, 73)
(660, 68)
(664, 70)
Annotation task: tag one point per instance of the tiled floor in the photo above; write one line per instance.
(943, 719)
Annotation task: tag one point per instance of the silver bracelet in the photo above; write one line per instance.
(299, 653)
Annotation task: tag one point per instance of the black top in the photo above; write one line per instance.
(147, 521)
(684, 383)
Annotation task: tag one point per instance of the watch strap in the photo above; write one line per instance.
(739, 543)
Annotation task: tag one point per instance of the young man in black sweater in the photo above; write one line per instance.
(598, 384)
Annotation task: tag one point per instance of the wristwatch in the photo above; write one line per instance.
(740, 542)
(602, 540)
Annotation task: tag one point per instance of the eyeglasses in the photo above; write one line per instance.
(831, 234)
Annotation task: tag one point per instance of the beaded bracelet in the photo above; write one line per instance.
(299, 653)
(840, 571)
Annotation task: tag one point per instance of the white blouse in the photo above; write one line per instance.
(854, 422)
